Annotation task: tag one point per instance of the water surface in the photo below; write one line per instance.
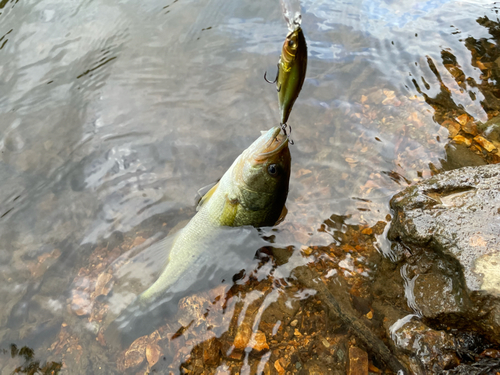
(113, 115)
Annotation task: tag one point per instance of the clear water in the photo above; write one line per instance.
(116, 113)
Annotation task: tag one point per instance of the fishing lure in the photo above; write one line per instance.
(291, 73)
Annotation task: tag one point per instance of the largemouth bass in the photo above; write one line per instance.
(252, 192)
(292, 68)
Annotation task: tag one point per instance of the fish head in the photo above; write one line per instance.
(262, 174)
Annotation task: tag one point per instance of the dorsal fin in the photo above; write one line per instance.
(207, 196)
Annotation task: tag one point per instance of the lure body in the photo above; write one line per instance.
(292, 68)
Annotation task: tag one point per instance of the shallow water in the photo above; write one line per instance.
(113, 115)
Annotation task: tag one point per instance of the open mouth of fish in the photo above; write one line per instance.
(276, 143)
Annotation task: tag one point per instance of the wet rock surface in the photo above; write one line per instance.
(436, 351)
(456, 213)
(445, 232)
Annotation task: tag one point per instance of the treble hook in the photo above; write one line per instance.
(283, 127)
(276, 79)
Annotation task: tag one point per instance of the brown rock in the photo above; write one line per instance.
(358, 361)
(470, 128)
(433, 350)
(463, 119)
(153, 353)
(487, 145)
(103, 285)
(461, 139)
(133, 359)
(306, 250)
(236, 354)
(374, 369)
(243, 336)
(80, 303)
(367, 231)
(155, 337)
(192, 310)
(136, 354)
(278, 367)
(452, 126)
(455, 72)
(211, 351)
(480, 65)
(259, 341)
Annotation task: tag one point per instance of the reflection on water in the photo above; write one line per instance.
(114, 115)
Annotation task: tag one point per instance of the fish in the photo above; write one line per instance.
(292, 68)
(251, 194)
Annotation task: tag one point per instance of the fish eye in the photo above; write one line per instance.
(273, 170)
(291, 43)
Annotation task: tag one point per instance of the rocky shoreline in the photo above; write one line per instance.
(446, 238)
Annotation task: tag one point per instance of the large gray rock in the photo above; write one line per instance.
(447, 234)
(456, 213)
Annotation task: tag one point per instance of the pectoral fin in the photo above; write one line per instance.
(207, 196)
(229, 212)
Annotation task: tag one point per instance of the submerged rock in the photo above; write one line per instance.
(491, 129)
(448, 227)
(459, 155)
(432, 350)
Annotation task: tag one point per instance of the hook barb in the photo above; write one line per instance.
(276, 79)
(288, 135)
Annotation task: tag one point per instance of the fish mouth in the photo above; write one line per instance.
(276, 143)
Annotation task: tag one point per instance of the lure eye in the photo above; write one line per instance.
(273, 170)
